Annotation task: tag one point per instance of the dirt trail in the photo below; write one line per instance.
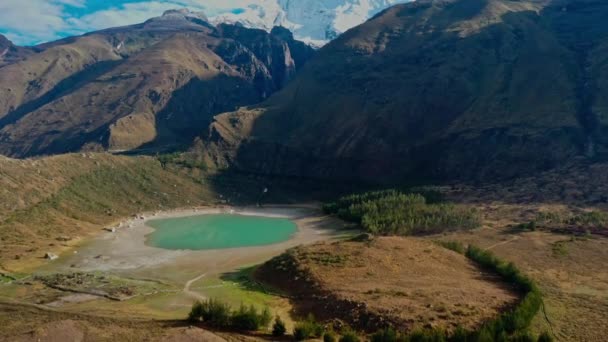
(191, 293)
(515, 238)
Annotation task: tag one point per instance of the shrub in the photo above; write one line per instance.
(307, 329)
(459, 335)
(196, 313)
(545, 337)
(432, 335)
(517, 320)
(265, 318)
(301, 333)
(246, 319)
(385, 335)
(212, 312)
(594, 219)
(522, 337)
(329, 337)
(453, 245)
(530, 226)
(278, 328)
(219, 315)
(349, 336)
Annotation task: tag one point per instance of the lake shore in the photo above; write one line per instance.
(123, 249)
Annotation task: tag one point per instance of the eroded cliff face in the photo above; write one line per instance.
(454, 89)
(150, 86)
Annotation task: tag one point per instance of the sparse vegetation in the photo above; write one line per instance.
(218, 314)
(453, 245)
(559, 249)
(386, 335)
(349, 336)
(76, 194)
(278, 328)
(181, 160)
(590, 219)
(509, 326)
(307, 329)
(392, 212)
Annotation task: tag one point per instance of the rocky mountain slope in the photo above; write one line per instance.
(9, 52)
(454, 89)
(313, 21)
(148, 85)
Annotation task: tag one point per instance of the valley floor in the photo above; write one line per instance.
(116, 274)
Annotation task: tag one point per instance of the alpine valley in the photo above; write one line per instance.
(345, 170)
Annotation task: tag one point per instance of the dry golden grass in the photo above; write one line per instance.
(410, 282)
(46, 201)
(33, 323)
(571, 272)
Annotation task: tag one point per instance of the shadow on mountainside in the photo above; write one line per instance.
(449, 98)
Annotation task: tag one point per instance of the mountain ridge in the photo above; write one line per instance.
(115, 89)
(435, 90)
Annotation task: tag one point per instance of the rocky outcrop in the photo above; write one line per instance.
(151, 86)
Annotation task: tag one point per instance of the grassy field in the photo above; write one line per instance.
(50, 204)
(410, 283)
(569, 269)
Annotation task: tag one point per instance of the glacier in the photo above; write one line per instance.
(315, 22)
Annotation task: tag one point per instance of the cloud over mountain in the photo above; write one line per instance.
(316, 21)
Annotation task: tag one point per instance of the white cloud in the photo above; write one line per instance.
(32, 19)
(35, 21)
(73, 3)
(126, 14)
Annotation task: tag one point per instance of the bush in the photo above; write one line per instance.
(545, 337)
(453, 245)
(519, 319)
(301, 333)
(246, 319)
(265, 318)
(278, 328)
(212, 312)
(329, 337)
(386, 335)
(394, 213)
(307, 329)
(349, 336)
(219, 315)
(433, 335)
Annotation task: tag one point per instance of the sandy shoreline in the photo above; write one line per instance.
(125, 250)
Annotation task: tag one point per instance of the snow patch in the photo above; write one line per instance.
(313, 21)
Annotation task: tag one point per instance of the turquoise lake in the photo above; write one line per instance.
(219, 232)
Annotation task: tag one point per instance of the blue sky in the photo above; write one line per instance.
(30, 22)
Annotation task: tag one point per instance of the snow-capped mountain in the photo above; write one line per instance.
(313, 21)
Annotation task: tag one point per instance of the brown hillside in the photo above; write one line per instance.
(51, 202)
(151, 85)
(409, 283)
(455, 89)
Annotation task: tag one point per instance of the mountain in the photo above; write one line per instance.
(313, 21)
(442, 90)
(9, 52)
(149, 85)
